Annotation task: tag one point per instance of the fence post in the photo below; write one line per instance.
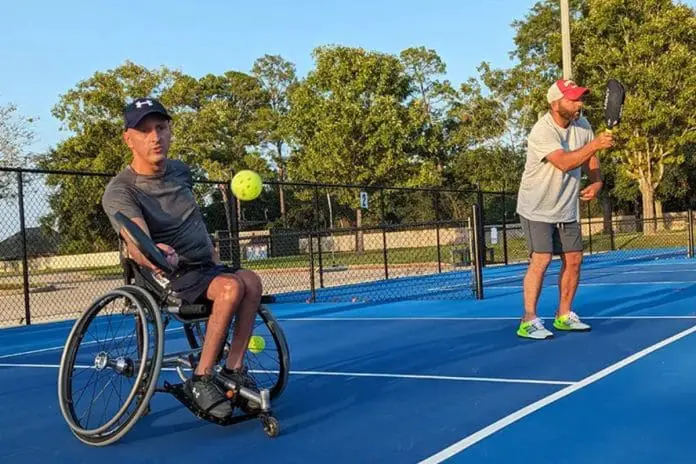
(611, 226)
(478, 243)
(481, 228)
(316, 229)
(25, 258)
(589, 225)
(311, 269)
(384, 234)
(234, 228)
(437, 230)
(505, 245)
(691, 233)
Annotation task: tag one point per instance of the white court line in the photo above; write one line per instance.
(591, 271)
(463, 318)
(357, 374)
(529, 409)
(607, 284)
(581, 284)
(431, 377)
(52, 348)
(356, 319)
(629, 271)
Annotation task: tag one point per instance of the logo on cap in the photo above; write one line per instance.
(139, 104)
(141, 107)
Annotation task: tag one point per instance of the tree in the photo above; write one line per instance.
(93, 112)
(487, 139)
(217, 124)
(430, 100)
(350, 123)
(16, 134)
(214, 126)
(650, 46)
(278, 78)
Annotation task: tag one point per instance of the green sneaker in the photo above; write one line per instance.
(570, 322)
(534, 329)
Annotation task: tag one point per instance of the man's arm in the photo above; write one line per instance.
(592, 169)
(118, 198)
(133, 252)
(567, 161)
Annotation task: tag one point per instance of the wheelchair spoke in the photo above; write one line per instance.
(122, 350)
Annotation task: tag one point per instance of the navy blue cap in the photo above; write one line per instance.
(141, 107)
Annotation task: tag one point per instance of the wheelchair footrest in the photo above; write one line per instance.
(177, 390)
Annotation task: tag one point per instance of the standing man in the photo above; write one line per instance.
(560, 145)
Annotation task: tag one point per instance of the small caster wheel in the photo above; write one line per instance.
(271, 426)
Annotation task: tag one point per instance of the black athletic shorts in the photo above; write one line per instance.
(190, 284)
(552, 238)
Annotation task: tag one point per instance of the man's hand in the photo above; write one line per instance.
(591, 191)
(171, 256)
(603, 141)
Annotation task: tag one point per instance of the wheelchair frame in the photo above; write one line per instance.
(153, 302)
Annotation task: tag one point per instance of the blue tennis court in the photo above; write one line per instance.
(424, 380)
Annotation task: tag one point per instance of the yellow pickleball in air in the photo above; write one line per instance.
(247, 185)
(256, 344)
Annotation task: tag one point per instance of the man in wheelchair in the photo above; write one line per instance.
(155, 192)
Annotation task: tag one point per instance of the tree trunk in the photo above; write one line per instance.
(648, 195)
(659, 216)
(637, 215)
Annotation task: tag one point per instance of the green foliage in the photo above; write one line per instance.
(648, 45)
(349, 121)
(372, 118)
(16, 135)
(215, 122)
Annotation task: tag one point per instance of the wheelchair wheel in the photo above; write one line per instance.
(104, 383)
(270, 367)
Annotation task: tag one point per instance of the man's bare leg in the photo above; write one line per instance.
(568, 280)
(246, 315)
(226, 291)
(568, 284)
(533, 281)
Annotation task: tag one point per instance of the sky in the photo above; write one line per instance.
(48, 47)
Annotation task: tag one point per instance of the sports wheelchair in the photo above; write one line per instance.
(140, 312)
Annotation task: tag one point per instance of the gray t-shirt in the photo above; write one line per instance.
(547, 194)
(166, 202)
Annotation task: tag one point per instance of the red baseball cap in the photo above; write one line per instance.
(565, 88)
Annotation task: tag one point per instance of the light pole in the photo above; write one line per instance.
(565, 40)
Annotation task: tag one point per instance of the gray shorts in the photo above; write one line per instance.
(558, 238)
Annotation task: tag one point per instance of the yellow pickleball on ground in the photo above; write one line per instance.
(256, 344)
(247, 185)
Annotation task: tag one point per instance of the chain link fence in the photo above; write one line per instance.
(607, 237)
(308, 242)
(347, 243)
